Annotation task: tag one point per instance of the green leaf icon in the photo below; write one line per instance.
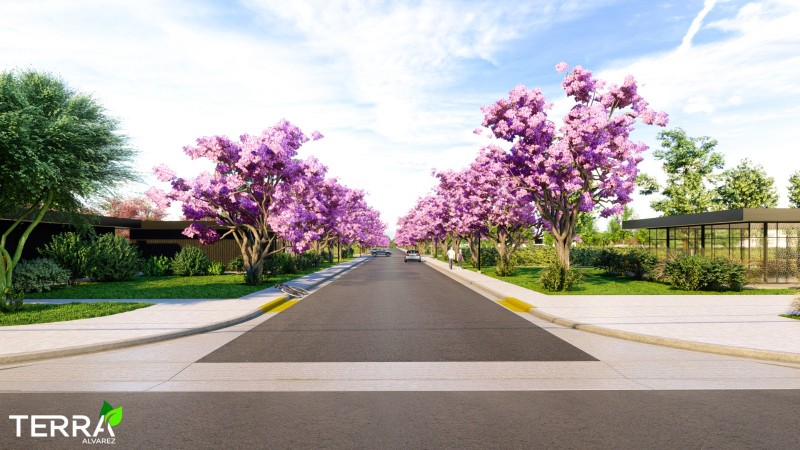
(105, 409)
(114, 417)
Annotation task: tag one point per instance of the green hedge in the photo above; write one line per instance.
(696, 272)
(534, 256)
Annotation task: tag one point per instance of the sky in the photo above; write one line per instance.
(396, 87)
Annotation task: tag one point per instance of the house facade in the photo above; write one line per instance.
(152, 237)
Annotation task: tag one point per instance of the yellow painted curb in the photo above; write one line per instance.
(510, 306)
(269, 306)
(283, 306)
(524, 306)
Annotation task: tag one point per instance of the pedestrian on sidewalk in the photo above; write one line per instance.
(460, 259)
(451, 255)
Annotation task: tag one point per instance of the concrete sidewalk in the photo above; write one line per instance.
(736, 325)
(167, 319)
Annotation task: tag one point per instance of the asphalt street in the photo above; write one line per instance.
(388, 310)
(397, 355)
(411, 420)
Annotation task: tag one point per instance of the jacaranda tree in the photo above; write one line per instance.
(588, 162)
(58, 148)
(240, 194)
(485, 200)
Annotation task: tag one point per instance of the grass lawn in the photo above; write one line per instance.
(208, 286)
(33, 313)
(595, 283)
(790, 316)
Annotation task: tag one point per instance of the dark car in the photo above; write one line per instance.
(413, 255)
(380, 252)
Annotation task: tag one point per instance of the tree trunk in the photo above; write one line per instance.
(562, 251)
(254, 247)
(503, 257)
(10, 300)
(473, 249)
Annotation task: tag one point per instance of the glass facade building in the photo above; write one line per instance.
(766, 241)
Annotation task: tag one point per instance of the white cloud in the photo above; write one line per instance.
(377, 78)
(740, 89)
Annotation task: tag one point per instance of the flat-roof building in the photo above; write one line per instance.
(765, 240)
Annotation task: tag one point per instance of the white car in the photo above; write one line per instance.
(413, 255)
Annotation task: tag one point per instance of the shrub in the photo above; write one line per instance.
(488, 256)
(503, 268)
(720, 274)
(280, 263)
(308, 259)
(555, 278)
(236, 264)
(38, 275)
(685, 272)
(13, 301)
(216, 268)
(584, 256)
(69, 251)
(696, 272)
(158, 266)
(190, 261)
(611, 261)
(635, 262)
(639, 263)
(113, 258)
(534, 256)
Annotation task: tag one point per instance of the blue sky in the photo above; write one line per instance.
(396, 87)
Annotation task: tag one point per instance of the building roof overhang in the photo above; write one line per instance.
(742, 215)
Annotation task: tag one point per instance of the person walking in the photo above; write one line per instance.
(460, 259)
(451, 255)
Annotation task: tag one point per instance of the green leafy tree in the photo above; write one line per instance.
(794, 189)
(746, 186)
(58, 148)
(614, 231)
(586, 229)
(689, 164)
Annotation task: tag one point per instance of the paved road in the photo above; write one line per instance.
(456, 371)
(410, 420)
(389, 310)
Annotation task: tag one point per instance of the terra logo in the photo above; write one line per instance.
(76, 426)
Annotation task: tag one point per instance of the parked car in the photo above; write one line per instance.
(380, 252)
(413, 255)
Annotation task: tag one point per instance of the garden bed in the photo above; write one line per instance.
(170, 287)
(596, 283)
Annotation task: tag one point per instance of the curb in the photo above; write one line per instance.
(93, 348)
(719, 349)
(113, 345)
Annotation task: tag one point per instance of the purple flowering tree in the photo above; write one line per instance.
(504, 210)
(588, 162)
(318, 213)
(252, 180)
(423, 223)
